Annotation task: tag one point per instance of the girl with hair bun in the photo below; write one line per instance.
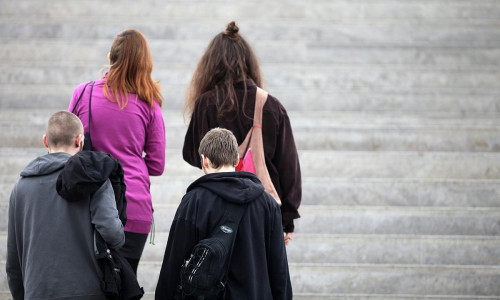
(222, 94)
(127, 122)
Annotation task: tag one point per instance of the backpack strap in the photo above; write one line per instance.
(229, 224)
(88, 141)
(87, 136)
(260, 100)
(80, 97)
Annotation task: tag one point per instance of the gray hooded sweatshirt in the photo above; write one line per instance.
(50, 246)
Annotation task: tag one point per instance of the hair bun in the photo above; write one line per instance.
(231, 29)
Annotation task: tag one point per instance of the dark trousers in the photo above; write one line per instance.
(132, 250)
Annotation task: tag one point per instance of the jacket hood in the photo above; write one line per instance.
(84, 174)
(234, 187)
(46, 164)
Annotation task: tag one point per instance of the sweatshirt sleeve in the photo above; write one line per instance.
(13, 264)
(181, 240)
(286, 160)
(155, 143)
(199, 125)
(279, 275)
(104, 216)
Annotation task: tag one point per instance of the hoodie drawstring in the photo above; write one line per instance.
(152, 235)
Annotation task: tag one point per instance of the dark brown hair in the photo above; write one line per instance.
(228, 59)
(130, 70)
(220, 146)
(62, 129)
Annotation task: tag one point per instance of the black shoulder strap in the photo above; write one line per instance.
(80, 97)
(90, 104)
(229, 224)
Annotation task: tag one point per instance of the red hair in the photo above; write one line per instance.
(130, 70)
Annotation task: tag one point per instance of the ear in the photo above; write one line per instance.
(44, 139)
(109, 60)
(205, 162)
(237, 160)
(79, 139)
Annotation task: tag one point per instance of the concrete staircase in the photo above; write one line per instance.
(395, 107)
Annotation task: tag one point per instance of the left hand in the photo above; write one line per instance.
(288, 237)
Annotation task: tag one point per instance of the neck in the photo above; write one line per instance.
(70, 151)
(210, 170)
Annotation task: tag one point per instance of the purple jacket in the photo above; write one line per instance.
(127, 134)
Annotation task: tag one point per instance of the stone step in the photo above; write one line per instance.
(367, 220)
(91, 51)
(382, 33)
(363, 192)
(376, 249)
(337, 11)
(329, 164)
(455, 101)
(310, 76)
(376, 279)
(365, 249)
(379, 220)
(347, 192)
(398, 220)
(409, 280)
(317, 131)
(305, 296)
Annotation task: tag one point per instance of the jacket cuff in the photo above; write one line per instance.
(288, 226)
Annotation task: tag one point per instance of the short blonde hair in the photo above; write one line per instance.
(62, 128)
(220, 146)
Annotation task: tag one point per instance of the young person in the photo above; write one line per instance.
(258, 267)
(222, 94)
(126, 121)
(50, 244)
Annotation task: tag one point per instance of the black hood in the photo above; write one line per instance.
(84, 174)
(234, 187)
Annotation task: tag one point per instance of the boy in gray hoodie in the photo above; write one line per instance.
(50, 245)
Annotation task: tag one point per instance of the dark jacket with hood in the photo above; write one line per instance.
(50, 248)
(280, 152)
(259, 266)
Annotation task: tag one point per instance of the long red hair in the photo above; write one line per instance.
(130, 70)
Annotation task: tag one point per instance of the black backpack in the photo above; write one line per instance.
(204, 273)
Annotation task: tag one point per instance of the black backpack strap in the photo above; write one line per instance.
(90, 105)
(230, 222)
(88, 141)
(87, 146)
(80, 97)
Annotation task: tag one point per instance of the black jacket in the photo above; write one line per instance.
(280, 152)
(86, 171)
(259, 266)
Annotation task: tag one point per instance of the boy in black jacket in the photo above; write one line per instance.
(258, 267)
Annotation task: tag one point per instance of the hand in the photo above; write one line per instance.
(288, 237)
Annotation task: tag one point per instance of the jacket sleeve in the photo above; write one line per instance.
(279, 275)
(202, 120)
(181, 240)
(155, 143)
(286, 160)
(13, 264)
(104, 216)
